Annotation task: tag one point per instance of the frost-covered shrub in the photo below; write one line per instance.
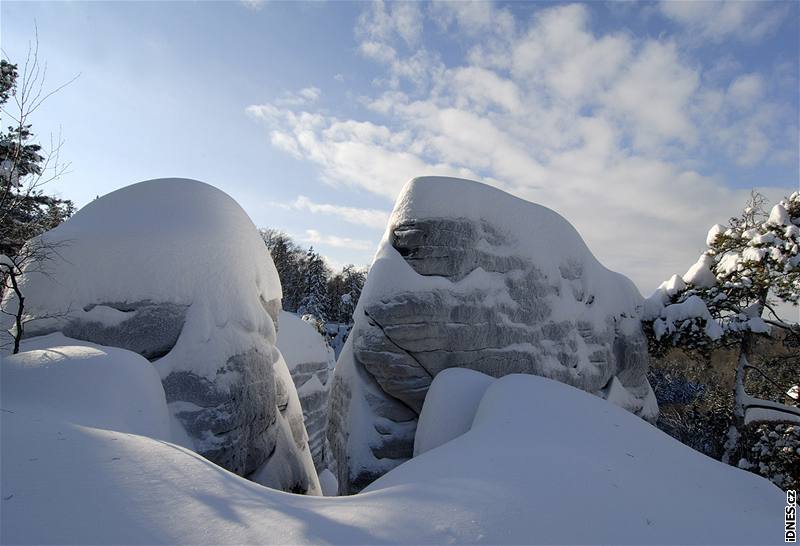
(673, 389)
(701, 424)
(772, 450)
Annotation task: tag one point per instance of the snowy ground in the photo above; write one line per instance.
(542, 462)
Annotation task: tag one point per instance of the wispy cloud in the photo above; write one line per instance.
(373, 218)
(314, 237)
(721, 19)
(304, 97)
(254, 5)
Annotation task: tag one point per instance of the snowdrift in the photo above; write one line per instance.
(542, 462)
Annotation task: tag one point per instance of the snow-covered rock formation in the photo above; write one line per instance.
(310, 361)
(469, 276)
(174, 270)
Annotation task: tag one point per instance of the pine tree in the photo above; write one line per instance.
(729, 295)
(315, 293)
(354, 280)
(289, 261)
(344, 290)
(302, 273)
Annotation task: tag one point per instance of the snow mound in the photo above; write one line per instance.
(594, 474)
(449, 407)
(174, 270)
(83, 383)
(468, 276)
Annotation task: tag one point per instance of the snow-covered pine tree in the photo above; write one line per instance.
(354, 279)
(316, 283)
(289, 260)
(344, 289)
(729, 295)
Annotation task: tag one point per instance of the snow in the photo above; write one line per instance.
(768, 414)
(758, 325)
(767, 410)
(449, 407)
(778, 216)
(7, 262)
(165, 240)
(673, 285)
(729, 263)
(700, 273)
(329, 483)
(310, 362)
(83, 383)
(291, 456)
(299, 342)
(337, 335)
(692, 307)
(715, 230)
(751, 254)
(542, 463)
(556, 243)
(175, 270)
(653, 305)
(505, 254)
(107, 316)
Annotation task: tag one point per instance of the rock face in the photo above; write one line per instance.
(469, 276)
(175, 271)
(311, 362)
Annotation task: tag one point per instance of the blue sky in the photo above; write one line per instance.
(642, 123)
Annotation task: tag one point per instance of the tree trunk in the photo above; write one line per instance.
(18, 324)
(740, 401)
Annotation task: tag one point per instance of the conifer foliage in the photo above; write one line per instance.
(731, 294)
(310, 288)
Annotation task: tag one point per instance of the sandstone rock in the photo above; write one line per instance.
(175, 271)
(311, 362)
(468, 276)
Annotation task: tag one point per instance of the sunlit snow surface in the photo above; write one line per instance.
(542, 463)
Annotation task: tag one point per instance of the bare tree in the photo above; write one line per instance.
(26, 211)
(25, 167)
(33, 259)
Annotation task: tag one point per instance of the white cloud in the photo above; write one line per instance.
(653, 93)
(383, 21)
(354, 153)
(718, 20)
(472, 17)
(254, 5)
(746, 90)
(314, 237)
(373, 218)
(606, 129)
(305, 96)
(483, 88)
